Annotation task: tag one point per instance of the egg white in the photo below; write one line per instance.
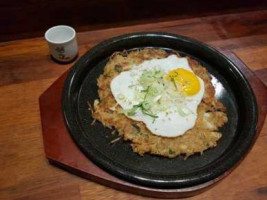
(168, 123)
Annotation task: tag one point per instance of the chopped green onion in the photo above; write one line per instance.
(107, 75)
(131, 86)
(146, 105)
(174, 84)
(118, 68)
(149, 114)
(171, 151)
(137, 128)
(133, 110)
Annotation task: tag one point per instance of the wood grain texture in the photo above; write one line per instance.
(28, 18)
(26, 71)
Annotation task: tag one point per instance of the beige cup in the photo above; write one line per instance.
(62, 43)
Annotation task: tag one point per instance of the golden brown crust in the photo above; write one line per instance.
(204, 135)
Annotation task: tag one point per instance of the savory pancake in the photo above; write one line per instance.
(211, 114)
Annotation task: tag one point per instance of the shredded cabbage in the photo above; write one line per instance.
(156, 95)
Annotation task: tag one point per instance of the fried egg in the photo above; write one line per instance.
(162, 93)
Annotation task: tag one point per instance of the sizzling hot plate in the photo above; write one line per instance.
(232, 89)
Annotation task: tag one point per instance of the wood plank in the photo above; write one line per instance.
(66, 192)
(32, 55)
(232, 25)
(36, 63)
(93, 14)
(21, 155)
(241, 42)
(29, 60)
(256, 59)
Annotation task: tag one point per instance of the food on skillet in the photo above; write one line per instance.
(164, 104)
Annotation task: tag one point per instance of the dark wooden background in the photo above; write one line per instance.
(28, 18)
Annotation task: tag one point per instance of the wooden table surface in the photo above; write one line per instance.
(26, 71)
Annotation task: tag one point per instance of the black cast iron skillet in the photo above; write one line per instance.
(232, 89)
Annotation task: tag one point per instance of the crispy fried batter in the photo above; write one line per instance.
(204, 135)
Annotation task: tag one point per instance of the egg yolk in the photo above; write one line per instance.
(186, 80)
